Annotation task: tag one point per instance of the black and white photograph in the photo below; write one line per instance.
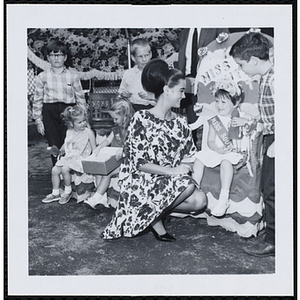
(141, 150)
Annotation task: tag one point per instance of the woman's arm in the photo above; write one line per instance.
(161, 170)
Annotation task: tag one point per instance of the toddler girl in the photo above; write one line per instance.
(121, 112)
(79, 143)
(220, 150)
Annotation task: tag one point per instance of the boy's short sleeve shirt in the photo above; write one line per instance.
(52, 88)
(132, 83)
(266, 104)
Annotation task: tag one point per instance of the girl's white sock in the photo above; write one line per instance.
(55, 192)
(224, 195)
(68, 189)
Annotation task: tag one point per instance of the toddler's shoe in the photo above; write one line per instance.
(65, 198)
(51, 198)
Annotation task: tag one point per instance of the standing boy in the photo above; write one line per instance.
(131, 85)
(56, 88)
(251, 53)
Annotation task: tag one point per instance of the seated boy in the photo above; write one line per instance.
(131, 85)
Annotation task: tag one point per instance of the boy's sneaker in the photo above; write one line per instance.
(65, 198)
(51, 198)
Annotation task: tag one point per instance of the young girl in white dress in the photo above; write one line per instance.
(79, 143)
(221, 150)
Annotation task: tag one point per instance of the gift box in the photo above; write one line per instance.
(103, 163)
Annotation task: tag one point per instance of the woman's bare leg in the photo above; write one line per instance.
(190, 200)
(196, 202)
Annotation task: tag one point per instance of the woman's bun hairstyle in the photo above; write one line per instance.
(155, 76)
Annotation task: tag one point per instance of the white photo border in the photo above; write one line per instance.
(23, 16)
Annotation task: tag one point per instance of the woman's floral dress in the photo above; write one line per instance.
(143, 196)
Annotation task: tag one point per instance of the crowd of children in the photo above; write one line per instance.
(145, 124)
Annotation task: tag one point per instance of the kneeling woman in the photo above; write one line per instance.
(153, 181)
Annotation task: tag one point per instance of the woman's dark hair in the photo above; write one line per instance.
(157, 74)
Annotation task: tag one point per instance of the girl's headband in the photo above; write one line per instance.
(230, 86)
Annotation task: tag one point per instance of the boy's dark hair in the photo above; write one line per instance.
(251, 44)
(56, 46)
(139, 42)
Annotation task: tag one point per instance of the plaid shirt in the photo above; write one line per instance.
(52, 88)
(266, 104)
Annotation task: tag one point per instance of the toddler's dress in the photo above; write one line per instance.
(212, 158)
(77, 147)
(144, 196)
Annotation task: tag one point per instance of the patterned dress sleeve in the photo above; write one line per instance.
(137, 147)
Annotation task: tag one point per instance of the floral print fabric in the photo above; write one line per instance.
(143, 196)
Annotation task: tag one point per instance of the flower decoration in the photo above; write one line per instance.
(202, 51)
(102, 49)
(230, 86)
(256, 30)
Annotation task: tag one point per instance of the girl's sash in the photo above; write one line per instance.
(221, 131)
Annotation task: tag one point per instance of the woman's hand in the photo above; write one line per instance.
(236, 122)
(182, 169)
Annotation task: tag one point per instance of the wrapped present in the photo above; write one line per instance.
(103, 163)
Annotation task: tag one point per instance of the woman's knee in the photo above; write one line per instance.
(189, 190)
(199, 200)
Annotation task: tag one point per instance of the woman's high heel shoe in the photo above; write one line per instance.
(163, 238)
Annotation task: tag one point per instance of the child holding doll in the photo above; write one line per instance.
(221, 150)
(121, 112)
